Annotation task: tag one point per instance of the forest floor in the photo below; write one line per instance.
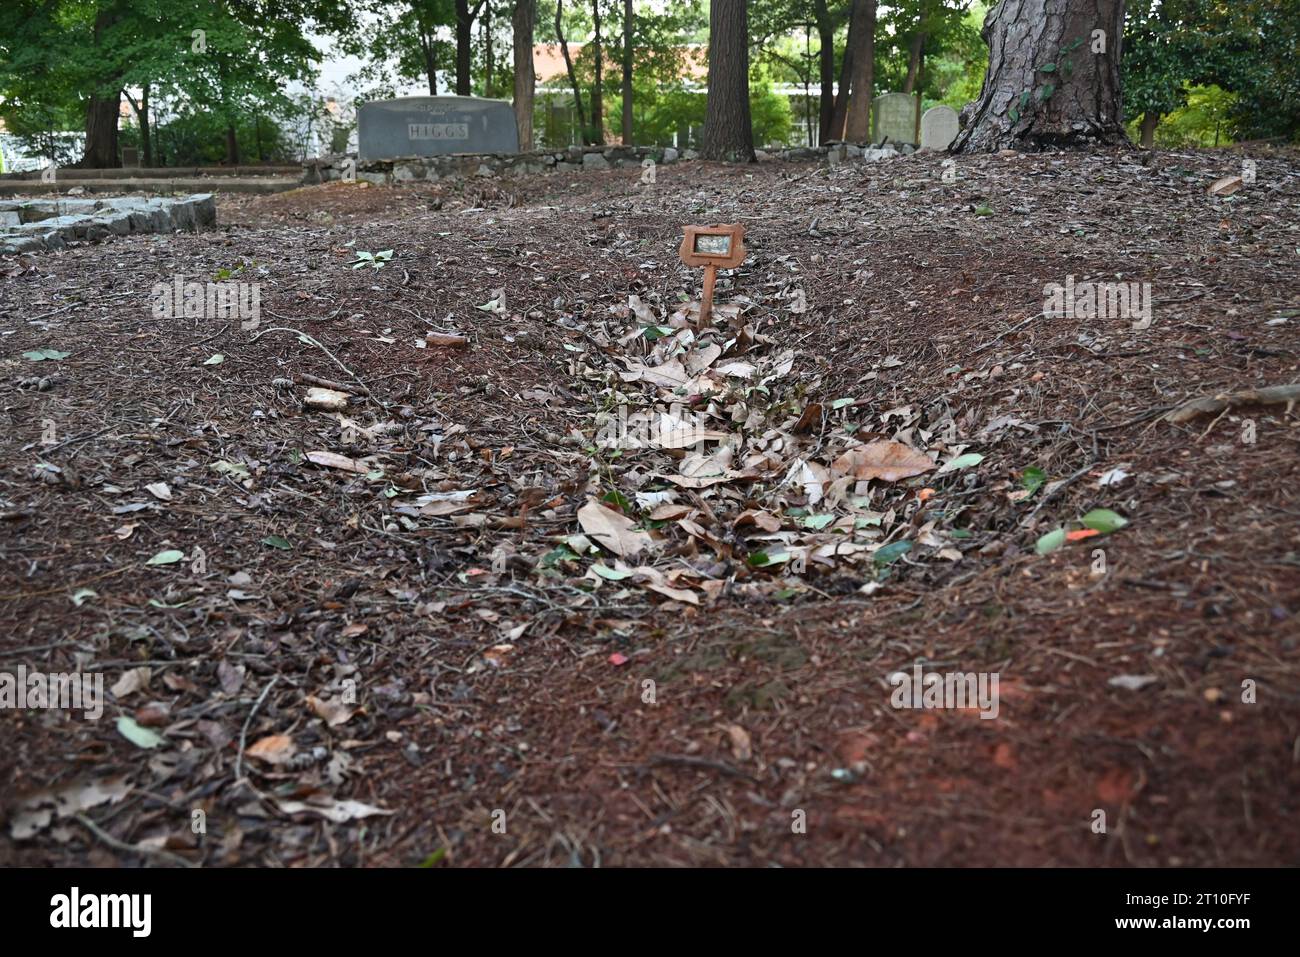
(452, 625)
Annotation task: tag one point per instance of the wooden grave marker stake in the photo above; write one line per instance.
(714, 248)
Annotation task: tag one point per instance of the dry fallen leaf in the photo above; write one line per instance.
(131, 682)
(327, 399)
(333, 713)
(35, 811)
(160, 490)
(335, 461)
(1225, 186)
(613, 531)
(340, 812)
(883, 459)
(273, 749)
(741, 748)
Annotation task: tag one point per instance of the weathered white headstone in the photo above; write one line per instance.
(939, 127)
(435, 126)
(893, 115)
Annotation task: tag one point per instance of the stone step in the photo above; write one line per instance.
(37, 224)
(265, 184)
(158, 172)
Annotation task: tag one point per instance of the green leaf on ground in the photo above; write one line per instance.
(1104, 520)
(140, 737)
(40, 355)
(1032, 479)
(892, 552)
(961, 462)
(1050, 542)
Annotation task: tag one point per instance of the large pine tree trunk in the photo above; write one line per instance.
(101, 132)
(102, 110)
(1053, 78)
(523, 23)
(862, 30)
(728, 131)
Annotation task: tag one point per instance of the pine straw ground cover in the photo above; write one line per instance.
(456, 624)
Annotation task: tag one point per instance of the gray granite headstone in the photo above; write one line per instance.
(893, 115)
(939, 127)
(434, 126)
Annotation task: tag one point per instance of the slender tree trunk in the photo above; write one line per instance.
(487, 48)
(826, 69)
(232, 145)
(857, 127)
(840, 115)
(916, 51)
(464, 38)
(463, 25)
(141, 108)
(728, 130)
(598, 93)
(629, 20)
(1150, 120)
(523, 22)
(568, 65)
(1075, 104)
(146, 140)
(429, 49)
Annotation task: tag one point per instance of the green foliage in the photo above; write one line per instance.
(1206, 119)
(398, 41)
(769, 112)
(197, 138)
(1247, 48)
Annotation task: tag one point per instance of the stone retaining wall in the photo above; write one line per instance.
(432, 169)
(575, 159)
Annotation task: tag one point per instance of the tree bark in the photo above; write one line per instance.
(857, 127)
(840, 115)
(487, 48)
(428, 47)
(232, 145)
(141, 108)
(826, 69)
(523, 21)
(629, 19)
(916, 50)
(1150, 121)
(464, 38)
(146, 140)
(728, 130)
(568, 65)
(101, 132)
(102, 112)
(1074, 102)
(598, 92)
